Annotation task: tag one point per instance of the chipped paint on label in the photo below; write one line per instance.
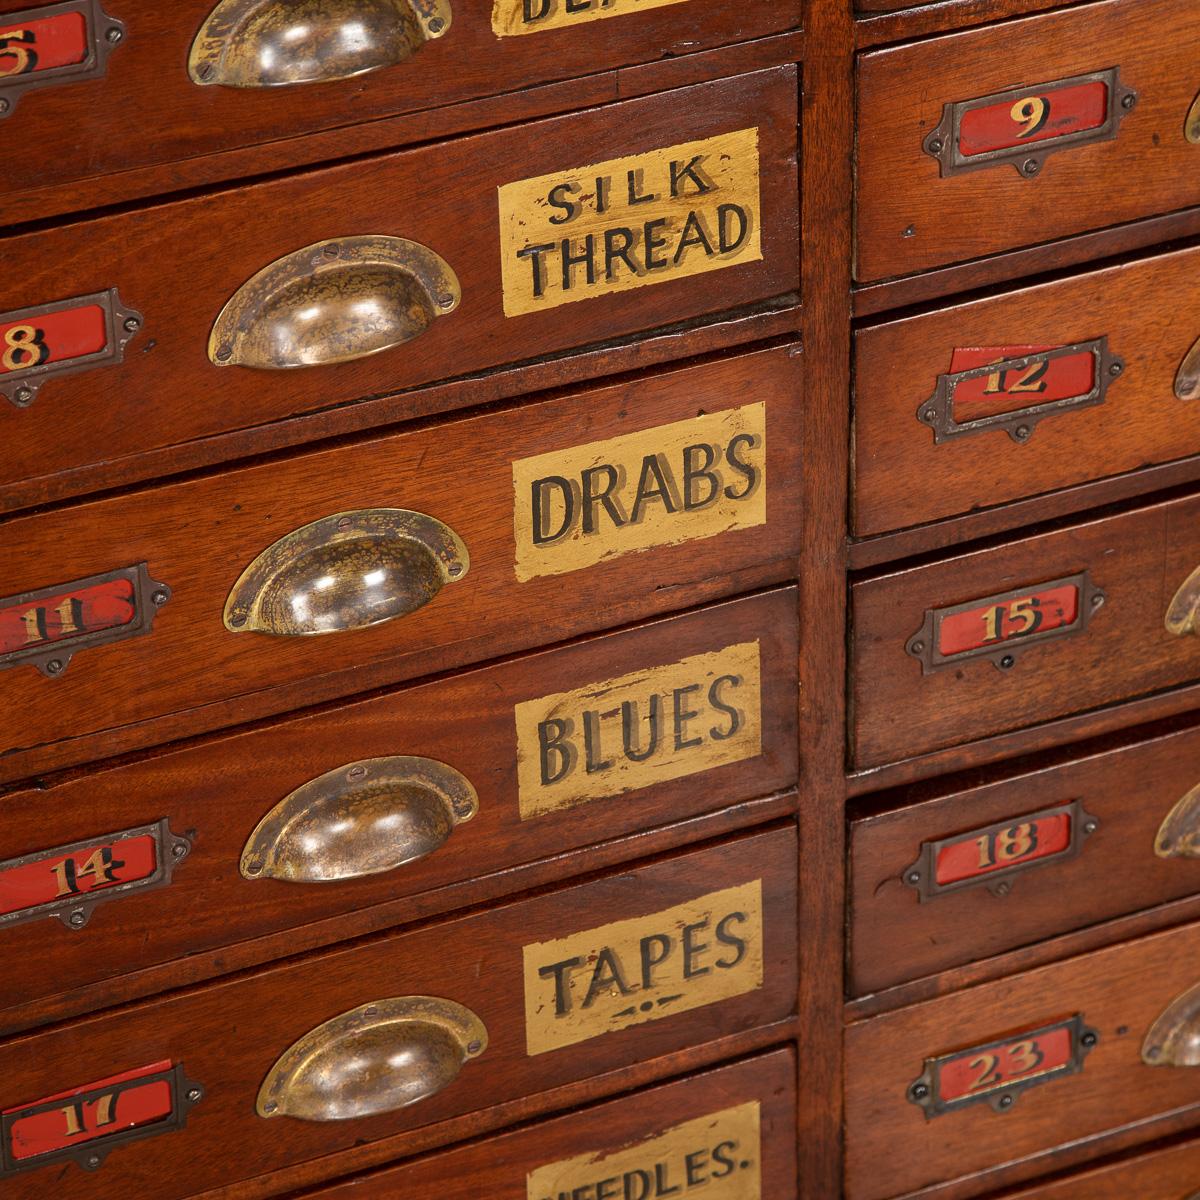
(643, 969)
(692, 479)
(628, 222)
(638, 730)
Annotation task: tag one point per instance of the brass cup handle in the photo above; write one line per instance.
(1180, 618)
(1187, 378)
(332, 302)
(347, 571)
(1179, 834)
(1191, 127)
(364, 818)
(1174, 1038)
(277, 43)
(375, 1059)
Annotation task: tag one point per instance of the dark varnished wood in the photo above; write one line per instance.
(88, 130)
(198, 536)
(902, 478)
(1138, 560)
(901, 94)
(216, 791)
(1119, 991)
(1129, 791)
(167, 392)
(497, 1166)
(883, 21)
(229, 1034)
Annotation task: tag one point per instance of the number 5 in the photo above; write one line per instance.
(24, 58)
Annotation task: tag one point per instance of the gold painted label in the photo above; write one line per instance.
(675, 483)
(638, 730)
(718, 1155)
(629, 222)
(644, 968)
(510, 18)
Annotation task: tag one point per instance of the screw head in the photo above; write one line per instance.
(474, 1047)
(1031, 166)
(936, 146)
(55, 666)
(919, 1091)
(270, 1107)
(1098, 599)
(113, 36)
(5, 105)
(1005, 1102)
(1127, 102)
(1115, 369)
(205, 71)
(224, 353)
(194, 1094)
(1090, 827)
(357, 772)
(178, 850)
(918, 647)
(1007, 661)
(23, 396)
(238, 619)
(93, 1160)
(913, 877)
(454, 570)
(132, 324)
(78, 919)
(1023, 431)
(437, 25)
(929, 415)
(1088, 1040)
(446, 301)
(160, 596)
(1003, 888)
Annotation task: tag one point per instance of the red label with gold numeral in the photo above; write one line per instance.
(67, 614)
(1000, 849)
(1016, 617)
(1036, 117)
(43, 44)
(53, 337)
(48, 626)
(86, 1122)
(1042, 381)
(999, 1071)
(56, 876)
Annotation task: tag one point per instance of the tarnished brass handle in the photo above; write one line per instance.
(275, 43)
(1174, 1038)
(361, 819)
(1180, 619)
(1187, 378)
(1179, 834)
(332, 302)
(346, 571)
(373, 1059)
(1191, 127)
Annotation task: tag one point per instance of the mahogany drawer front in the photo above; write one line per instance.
(1167, 1174)
(549, 752)
(494, 209)
(690, 475)
(1012, 1070)
(728, 1132)
(214, 86)
(1087, 378)
(519, 999)
(1022, 132)
(1005, 638)
(968, 874)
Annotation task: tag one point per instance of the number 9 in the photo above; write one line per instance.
(1032, 113)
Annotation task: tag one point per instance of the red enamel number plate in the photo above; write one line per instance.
(1043, 381)
(1035, 117)
(999, 1071)
(1018, 617)
(43, 44)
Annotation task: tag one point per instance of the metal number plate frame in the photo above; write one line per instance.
(943, 142)
(938, 411)
(185, 1095)
(922, 874)
(122, 324)
(104, 35)
(923, 645)
(924, 1091)
(53, 657)
(74, 911)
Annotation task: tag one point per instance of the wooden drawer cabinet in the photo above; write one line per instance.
(726, 1133)
(454, 252)
(1026, 392)
(1024, 131)
(449, 782)
(422, 549)
(291, 1063)
(1008, 1072)
(959, 875)
(1005, 638)
(226, 74)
